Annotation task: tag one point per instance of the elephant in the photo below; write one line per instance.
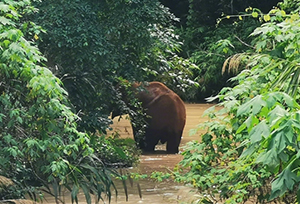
(166, 116)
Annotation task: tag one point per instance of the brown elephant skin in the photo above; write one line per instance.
(167, 115)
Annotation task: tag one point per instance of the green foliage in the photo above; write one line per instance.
(290, 6)
(173, 70)
(15, 190)
(128, 103)
(208, 45)
(39, 140)
(117, 152)
(159, 176)
(90, 44)
(251, 147)
(220, 43)
(204, 13)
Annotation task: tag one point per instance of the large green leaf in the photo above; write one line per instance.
(255, 105)
(284, 182)
(269, 158)
(260, 130)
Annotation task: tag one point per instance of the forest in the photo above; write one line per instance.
(62, 61)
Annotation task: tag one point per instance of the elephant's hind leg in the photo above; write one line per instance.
(173, 142)
(151, 139)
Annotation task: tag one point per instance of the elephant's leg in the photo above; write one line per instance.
(173, 142)
(151, 139)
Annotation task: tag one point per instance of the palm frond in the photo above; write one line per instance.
(233, 63)
(5, 182)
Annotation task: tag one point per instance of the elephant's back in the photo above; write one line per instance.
(168, 110)
(163, 105)
(154, 90)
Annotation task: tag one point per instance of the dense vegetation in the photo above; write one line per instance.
(208, 43)
(40, 144)
(251, 148)
(92, 45)
(54, 109)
